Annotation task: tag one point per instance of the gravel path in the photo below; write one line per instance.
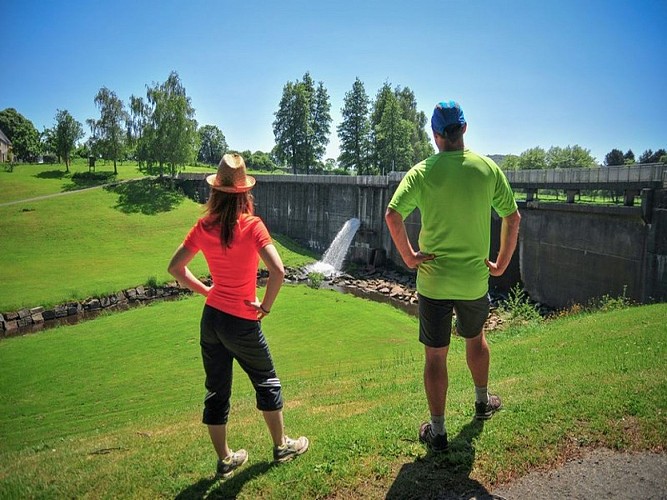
(599, 474)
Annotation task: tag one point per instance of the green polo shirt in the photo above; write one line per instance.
(455, 192)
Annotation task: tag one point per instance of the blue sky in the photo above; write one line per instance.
(527, 73)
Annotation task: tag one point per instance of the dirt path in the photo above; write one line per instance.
(46, 196)
(599, 474)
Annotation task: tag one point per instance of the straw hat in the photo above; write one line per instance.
(231, 176)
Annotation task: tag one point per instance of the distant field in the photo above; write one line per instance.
(32, 180)
(95, 242)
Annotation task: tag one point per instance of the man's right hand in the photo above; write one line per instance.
(418, 258)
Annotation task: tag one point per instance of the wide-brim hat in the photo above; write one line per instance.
(231, 176)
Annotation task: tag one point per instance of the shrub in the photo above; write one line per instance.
(609, 303)
(519, 308)
(315, 279)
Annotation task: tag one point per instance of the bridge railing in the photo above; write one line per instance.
(646, 174)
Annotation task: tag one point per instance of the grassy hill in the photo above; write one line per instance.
(88, 243)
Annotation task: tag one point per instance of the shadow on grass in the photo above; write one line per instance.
(446, 475)
(82, 180)
(227, 488)
(146, 196)
(51, 174)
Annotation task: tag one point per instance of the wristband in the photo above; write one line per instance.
(264, 310)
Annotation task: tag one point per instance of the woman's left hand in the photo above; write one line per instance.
(257, 305)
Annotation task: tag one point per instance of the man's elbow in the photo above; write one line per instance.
(391, 216)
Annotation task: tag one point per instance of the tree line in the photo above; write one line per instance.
(376, 136)
(575, 157)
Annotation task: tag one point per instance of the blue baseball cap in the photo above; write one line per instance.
(446, 113)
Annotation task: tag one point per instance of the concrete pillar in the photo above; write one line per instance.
(629, 197)
(571, 193)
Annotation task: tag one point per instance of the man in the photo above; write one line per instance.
(455, 191)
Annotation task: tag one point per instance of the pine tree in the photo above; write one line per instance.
(354, 130)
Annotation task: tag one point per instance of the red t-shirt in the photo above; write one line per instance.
(233, 269)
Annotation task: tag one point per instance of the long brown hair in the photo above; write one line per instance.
(225, 209)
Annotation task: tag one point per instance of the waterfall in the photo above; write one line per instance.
(333, 258)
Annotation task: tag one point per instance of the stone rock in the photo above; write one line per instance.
(93, 305)
(105, 301)
(60, 311)
(23, 313)
(37, 318)
(11, 316)
(11, 326)
(37, 310)
(49, 314)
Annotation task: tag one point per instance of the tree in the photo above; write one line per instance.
(533, 159)
(170, 135)
(614, 157)
(420, 141)
(394, 152)
(569, 157)
(67, 131)
(649, 156)
(110, 128)
(413, 122)
(381, 98)
(290, 128)
(320, 118)
(354, 131)
(137, 120)
(629, 157)
(259, 160)
(212, 144)
(22, 133)
(302, 124)
(510, 162)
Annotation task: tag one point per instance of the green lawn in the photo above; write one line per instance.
(111, 408)
(94, 242)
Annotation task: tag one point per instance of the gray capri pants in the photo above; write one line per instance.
(223, 338)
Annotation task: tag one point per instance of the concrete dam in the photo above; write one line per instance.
(568, 252)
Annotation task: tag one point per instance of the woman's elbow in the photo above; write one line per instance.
(277, 272)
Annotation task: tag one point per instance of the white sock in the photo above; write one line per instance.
(481, 395)
(437, 424)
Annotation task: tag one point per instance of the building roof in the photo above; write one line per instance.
(3, 138)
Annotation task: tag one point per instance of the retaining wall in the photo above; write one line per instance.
(568, 253)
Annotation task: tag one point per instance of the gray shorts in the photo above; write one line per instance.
(435, 319)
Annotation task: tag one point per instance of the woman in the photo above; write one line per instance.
(233, 240)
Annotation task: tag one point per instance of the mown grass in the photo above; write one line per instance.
(90, 243)
(110, 408)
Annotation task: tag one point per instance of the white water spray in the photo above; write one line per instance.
(333, 258)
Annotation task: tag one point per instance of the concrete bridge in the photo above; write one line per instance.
(568, 252)
(629, 180)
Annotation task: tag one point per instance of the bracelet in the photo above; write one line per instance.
(264, 310)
